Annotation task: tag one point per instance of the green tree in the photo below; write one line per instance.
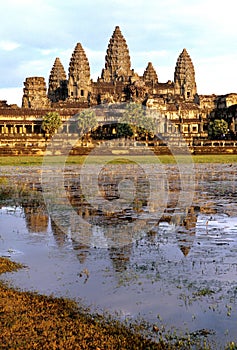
(86, 121)
(139, 119)
(124, 130)
(217, 129)
(51, 122)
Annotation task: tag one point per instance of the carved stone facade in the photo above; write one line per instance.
(184, 77)
(150, 75)
(117, 60)
(57, 90)
(35, 93)
(79, 83)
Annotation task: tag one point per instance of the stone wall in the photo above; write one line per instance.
(11, 145)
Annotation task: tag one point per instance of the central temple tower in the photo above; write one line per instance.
(117, 60)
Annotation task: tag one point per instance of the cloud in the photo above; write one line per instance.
(8, 45)
(216, 74)
(12, 95)
(47, 52)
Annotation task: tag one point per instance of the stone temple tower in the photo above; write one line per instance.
(35, 93)
(57, 90)
(79, 83)
(117, 60)
(184, 77)
(150, 75)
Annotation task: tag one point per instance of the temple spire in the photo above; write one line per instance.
(117, 60)
(57, 82)
(150, 75)
(184, 76)
(79, 75)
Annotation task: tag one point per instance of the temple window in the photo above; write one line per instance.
(185, 128)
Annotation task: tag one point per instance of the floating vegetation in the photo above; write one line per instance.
(203, 292)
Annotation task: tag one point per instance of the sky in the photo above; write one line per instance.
(34, 32)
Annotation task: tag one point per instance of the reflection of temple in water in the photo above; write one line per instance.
(37, 219)
(59, 235)
(113, 183)
(82, 251)
(186, 232)
(130, 183)
(120, 257)
(117, 226)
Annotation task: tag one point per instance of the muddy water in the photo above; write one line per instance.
(122, 252)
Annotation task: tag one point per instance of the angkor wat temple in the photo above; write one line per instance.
(177, 101)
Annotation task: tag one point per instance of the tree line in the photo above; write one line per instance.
(134, 123)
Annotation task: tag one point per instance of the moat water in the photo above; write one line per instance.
(178, 270)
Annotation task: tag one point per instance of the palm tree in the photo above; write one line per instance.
(86, 121)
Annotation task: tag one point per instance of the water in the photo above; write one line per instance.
(168, 266)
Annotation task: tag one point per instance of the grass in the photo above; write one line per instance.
(215, 158)
(21, 160)
(7, 265)
(164, 159)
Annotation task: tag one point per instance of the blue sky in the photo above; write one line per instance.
(34, 32)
